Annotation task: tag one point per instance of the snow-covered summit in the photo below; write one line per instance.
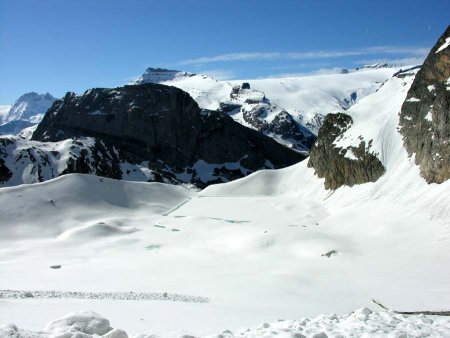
(160, 75)
(29, 107)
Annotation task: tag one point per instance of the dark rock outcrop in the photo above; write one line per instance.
(5, 172)
(163, 127)
(425, 114)
(330, 162)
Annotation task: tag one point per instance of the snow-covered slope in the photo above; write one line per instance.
(273, 245)
(4, 109)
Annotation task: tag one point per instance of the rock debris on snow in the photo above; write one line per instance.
(16, 294)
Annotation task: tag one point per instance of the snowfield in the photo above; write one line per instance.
(362, 322)
(309, 94)
(272, 245)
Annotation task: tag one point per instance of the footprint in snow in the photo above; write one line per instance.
(153, 246)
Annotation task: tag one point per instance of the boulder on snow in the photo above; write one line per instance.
(84, 322)
(330, 162)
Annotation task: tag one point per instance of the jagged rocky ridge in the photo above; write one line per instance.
(24, 161)
(155, 130)
(343, 166)
(425, 114)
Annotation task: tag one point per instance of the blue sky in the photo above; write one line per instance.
(63, 45)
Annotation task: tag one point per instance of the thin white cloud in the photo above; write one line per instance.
(220, 74)
(232, 57)
(302, 65)
(260, 56)
(321, 71)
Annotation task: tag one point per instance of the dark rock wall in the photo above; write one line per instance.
(425, 114)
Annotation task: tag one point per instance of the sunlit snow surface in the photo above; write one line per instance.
(362, 322)
(254, 247)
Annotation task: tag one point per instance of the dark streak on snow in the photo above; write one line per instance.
(177, 207)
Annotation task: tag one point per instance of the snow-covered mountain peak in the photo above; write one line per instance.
(29, 107)
(161, 75)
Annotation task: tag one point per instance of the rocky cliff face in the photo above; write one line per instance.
(343, 166)
(163, 127)
(425, 114)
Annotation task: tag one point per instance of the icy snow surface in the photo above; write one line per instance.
(254, 247)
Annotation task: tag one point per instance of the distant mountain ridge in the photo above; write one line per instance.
(102, 145)
(147, 132)
(290, 110)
